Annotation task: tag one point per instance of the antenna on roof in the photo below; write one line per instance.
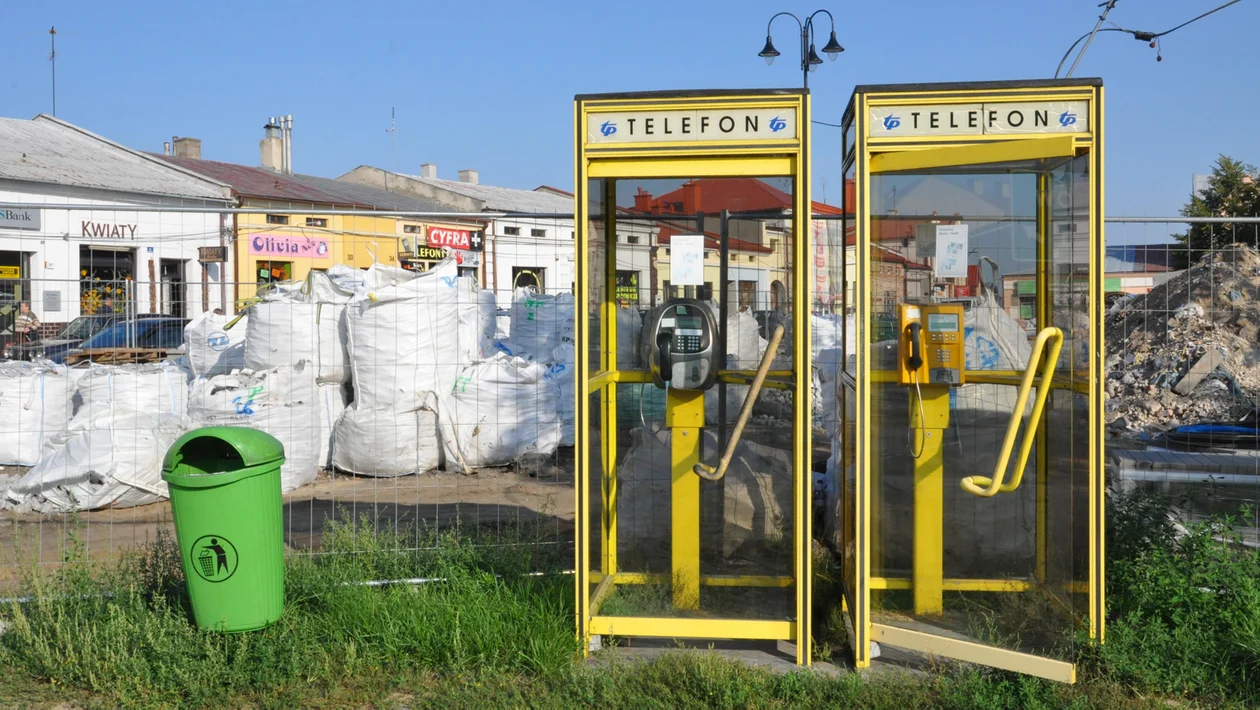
(52, 57)
(393, 133)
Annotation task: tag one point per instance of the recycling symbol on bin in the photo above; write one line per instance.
(213, 558)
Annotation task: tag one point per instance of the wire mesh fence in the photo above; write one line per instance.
(429, 390)
(1182, 380)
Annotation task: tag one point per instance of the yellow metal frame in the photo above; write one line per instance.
(876, 154)
(749, 158)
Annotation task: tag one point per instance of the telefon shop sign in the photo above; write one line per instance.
(691, 126)
(979, 119)
(294, 247)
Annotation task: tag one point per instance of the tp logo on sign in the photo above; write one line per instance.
(608, 128)
(218, 341)
(1067, 118)
(891, 122)
(777, 124)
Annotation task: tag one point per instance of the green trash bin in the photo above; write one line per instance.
(225, 496)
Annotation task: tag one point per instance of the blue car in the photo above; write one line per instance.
(149, 333)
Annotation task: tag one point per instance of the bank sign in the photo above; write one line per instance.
(979, 119)
(691, 126)
(20, 219)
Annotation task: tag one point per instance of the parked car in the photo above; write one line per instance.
(142, 339)
(54, 348)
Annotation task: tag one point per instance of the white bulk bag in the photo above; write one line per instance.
(283, 333)
(111, 460)
(281, 401)
(744, 346)
(404, 340)
(35, 405)
(330, 403)
(386, 442)
(561, 372)
(154, 389)
(501, 409)
(629, 330)
(212, 347)
(540, 322)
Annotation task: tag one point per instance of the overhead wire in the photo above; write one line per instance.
(1141, 35)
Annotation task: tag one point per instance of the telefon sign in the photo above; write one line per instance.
(691, 126)
(979, 119)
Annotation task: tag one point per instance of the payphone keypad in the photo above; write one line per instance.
(686, 341)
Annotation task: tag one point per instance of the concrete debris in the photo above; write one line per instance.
(1187, 352)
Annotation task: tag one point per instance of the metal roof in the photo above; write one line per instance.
(263, 183)
(50, 151)
(503, 199)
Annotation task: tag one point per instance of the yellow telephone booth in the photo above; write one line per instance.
(692, 425)
(972, 486)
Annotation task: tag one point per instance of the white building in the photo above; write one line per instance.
(68, 262)
(521, 250)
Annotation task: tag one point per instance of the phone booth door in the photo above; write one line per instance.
(975, 493)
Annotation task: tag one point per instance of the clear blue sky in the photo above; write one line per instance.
(489, 85)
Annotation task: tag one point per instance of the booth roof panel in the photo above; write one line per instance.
(978, 86)
(687, 94)
(49, 150)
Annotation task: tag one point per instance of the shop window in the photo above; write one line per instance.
(274, 271)
(523, 276)
(316, 222)
(627, 287)
(277, 219)
(105, 279)
(537, 232)
(512, 231)
(411, 228)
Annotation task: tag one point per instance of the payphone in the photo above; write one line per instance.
(678, 345)
(931, 355)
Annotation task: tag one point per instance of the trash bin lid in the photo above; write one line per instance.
(246, 448)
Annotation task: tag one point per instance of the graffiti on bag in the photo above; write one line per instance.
(245, 403)
(461, 383)
(449, 281)
(982, 353)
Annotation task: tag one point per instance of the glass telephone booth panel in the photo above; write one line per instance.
(975, 493)
(680, 293)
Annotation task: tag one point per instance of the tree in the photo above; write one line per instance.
(1233, 191)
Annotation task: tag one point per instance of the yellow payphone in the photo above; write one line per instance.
(931, 355)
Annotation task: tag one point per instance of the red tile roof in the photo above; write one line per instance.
(710, 240)
(739, 194)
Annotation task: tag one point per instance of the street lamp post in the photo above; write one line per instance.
(809, 57)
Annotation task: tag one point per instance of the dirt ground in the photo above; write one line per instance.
(492, 497)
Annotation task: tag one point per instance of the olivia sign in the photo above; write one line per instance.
(294, 247)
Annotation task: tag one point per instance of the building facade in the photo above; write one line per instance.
(280, 243)
(103, 228)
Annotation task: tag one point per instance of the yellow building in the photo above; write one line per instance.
(281, 244)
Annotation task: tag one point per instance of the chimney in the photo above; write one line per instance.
(287, 122)
(428, 170)
(643, 201)
(468, 176)
(271, 147)
(187, 147)
(691, 198)
(166, 147)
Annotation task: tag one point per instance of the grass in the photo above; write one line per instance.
(1184, 627)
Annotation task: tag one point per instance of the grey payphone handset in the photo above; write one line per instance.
(678, 343)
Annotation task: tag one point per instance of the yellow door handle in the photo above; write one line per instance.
(988, 487)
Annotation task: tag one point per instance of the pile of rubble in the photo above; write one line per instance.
(1188, 351)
